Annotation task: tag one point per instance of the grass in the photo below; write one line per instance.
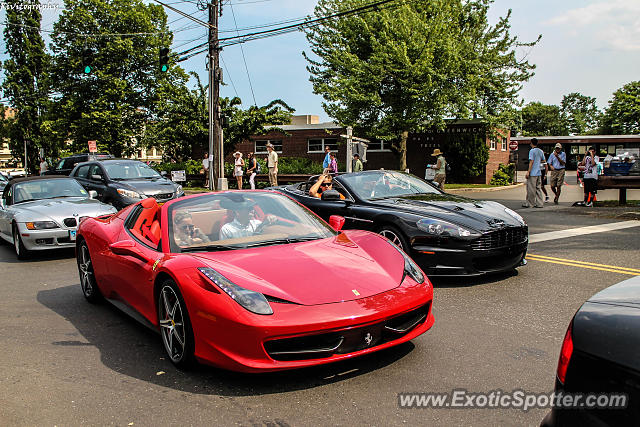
(614, 203)
(448, 186)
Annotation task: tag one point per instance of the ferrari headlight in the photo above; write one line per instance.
(41, 225)
(253, 301)
(129, 193)
(441, 228)
(411, 269)
(515, 215)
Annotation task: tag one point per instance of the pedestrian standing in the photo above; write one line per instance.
(333, 164)
(534, 180)
(327, 158)
(44, 166)
(272, 165)
(237, 169)
(440, 167)
(357, 163)
(205, 169)
(543, 178)
(557, 163)
(251, 170)
(590, 163)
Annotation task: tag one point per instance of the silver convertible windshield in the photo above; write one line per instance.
(236, 221)
(376, 185)
(47, 189)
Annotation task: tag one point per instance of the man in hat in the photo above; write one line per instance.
(272, 164)
(440, 168)
(557, 162)
(243, 224)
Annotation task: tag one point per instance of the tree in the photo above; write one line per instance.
(580, 113)
(407, 67)
(539, 119)
(623, 114)
(114, 102)
(25, 84)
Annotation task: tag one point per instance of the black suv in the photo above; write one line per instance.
(122, 182)
(66, 165)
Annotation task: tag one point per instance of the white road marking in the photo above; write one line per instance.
(581, 231)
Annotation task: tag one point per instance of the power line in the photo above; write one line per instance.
(179, 12)
(244, 59)
(226, 70)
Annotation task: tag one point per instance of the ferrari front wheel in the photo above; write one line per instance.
(87, 276)
(175, 327)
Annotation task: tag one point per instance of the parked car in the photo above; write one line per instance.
(43, 212)
(443, 233)
(123, 182)
(207, 269)
(66, 165)
(4, 179)
(599, 355)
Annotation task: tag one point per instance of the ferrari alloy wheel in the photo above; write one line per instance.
(175, 327)
(394, 236)
(21, 251)
(87, 277)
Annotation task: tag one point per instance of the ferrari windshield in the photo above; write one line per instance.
(381, 184)
(130, 170)
(236, 220)
(47, 189)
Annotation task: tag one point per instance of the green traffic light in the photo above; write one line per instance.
(164, 68)
(87, 69)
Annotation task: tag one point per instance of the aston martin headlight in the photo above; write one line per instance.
(129, 193)
(515, 215)
(411, 269)
(41, 225)
(441, 228)
(253, 301)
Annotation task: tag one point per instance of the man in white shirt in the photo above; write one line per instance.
(243, 225)
(272, 164)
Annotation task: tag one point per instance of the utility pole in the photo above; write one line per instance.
(216, 170)
(350, 141)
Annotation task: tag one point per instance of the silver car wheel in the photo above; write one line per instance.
(86, 272)
(172, 324)
(393, 237)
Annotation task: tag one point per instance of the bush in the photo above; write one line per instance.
(190, 167)
(286, 165)
(504, 175)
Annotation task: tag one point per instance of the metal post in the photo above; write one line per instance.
(216, 171)
(349, 149)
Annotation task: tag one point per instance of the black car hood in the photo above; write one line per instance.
(149, 186)
(478, 215)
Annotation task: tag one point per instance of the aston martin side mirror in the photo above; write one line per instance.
(330, 196)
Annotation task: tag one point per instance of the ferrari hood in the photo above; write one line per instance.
(317, 272)
(476, 214)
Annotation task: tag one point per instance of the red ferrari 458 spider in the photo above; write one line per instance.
(253, 281)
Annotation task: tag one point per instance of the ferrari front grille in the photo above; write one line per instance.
(319, 346)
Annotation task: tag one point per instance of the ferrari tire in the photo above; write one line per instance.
(395, 236)
(21, 251)
(88, 282)
(175, 325)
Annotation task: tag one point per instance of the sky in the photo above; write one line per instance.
(587, 46)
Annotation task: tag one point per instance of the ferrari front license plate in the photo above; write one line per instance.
(72, 234)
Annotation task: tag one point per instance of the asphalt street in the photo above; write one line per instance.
(66, 362)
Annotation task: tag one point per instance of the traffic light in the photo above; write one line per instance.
(164, 59)
(87, 61)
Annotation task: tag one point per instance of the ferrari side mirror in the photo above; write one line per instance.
(337, 222)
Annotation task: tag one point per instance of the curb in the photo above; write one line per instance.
(480, 189)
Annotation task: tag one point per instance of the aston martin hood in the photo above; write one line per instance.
(316, 272)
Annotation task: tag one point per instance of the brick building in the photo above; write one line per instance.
(306, 137)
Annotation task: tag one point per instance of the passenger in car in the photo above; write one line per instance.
(186, 233)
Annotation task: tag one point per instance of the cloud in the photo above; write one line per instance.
(613, 24)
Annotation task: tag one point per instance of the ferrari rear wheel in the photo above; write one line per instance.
(175, 326)
(21, 251)
(395, 236)
(87, 276)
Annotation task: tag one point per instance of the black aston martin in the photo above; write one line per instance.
(445, 234)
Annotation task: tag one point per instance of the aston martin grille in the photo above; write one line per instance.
(501, 238)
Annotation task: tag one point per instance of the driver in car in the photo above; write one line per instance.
(243, 224)
(325, 182)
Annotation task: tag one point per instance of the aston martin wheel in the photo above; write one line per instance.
(21, 251)
(395, 236)
(175, 327)
(87, 277)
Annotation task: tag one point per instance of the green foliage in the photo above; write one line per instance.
(466, 154)
(504, 175)
(580, 114)
(190, 167)
(539, 119)
(623, 113)
(407, 67)
(286, 165)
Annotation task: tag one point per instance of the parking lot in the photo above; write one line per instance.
(66, 362)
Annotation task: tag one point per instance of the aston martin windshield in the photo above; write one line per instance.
(376, 185)
(236, 221)
(130, 170)
(47, 189)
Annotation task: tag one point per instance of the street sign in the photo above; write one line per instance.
(93, 146)
(178, 176)
(513, 145)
